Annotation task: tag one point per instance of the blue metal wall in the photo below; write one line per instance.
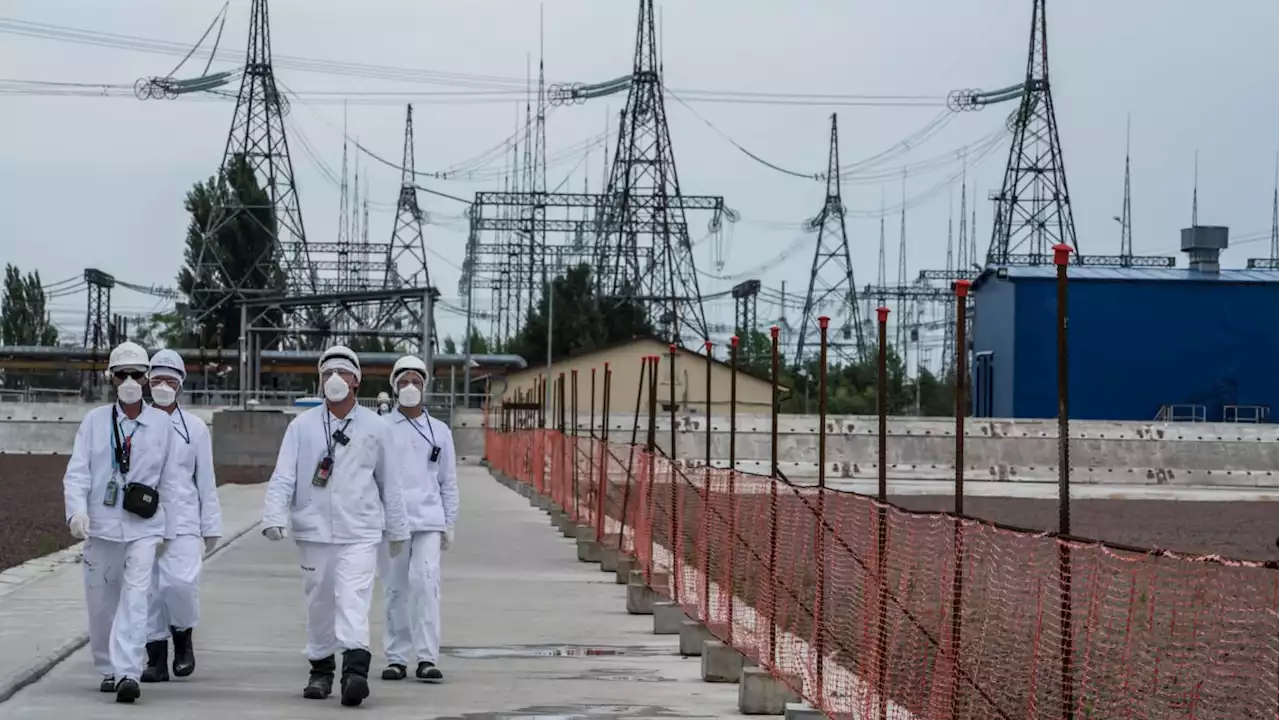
(993, 331)
(1137, 343)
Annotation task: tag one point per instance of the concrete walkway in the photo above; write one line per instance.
(528, 631)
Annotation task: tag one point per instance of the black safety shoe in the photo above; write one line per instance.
(320, 683)
(184, 656)
(157, 669)
(355, 676)
(108, 684)
(395, 672)
(127, 691)
(429, 672)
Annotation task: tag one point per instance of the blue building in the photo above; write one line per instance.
(1200, 341)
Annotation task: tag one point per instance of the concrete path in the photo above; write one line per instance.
(528, 631)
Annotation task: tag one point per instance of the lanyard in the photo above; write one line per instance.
(184, 433)
(418, 430)
(331, 438)
(121, 444)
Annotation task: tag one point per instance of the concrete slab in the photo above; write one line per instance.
(692, 636)
(721, 663)
(609, 560)
(626, 563)
(527, 631)
(802, 711)
(667, 618)
(588, 548)
(760, 693)
(43, 621)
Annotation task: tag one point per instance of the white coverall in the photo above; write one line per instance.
(120, 551)
(197, 514)
(338, 527)
(411, 580)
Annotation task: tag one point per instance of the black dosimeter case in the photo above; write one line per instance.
(323, 471)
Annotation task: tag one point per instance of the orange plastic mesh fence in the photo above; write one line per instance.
(871, 611)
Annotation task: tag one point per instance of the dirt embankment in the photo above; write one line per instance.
(31, 504)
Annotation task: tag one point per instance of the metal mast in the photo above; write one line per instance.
(643, 197)
(1033, 206)
(831, 278)
(1126, 222)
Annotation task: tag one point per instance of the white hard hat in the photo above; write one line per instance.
(128, 355)
(342, 358)
(383, 397)
(408, 363)
(167, 363)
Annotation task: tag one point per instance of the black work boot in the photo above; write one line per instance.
(108, 684)
(395, 671)
(184, 655)
(429, 672)
(320, 684)
(127, 691)
(157, 669)
(355, 676)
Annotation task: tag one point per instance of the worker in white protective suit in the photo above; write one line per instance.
(117, 489)
(411, 580)
(336, 487)
(195, 526)
(384, 404)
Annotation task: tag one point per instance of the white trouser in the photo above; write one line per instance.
(175, 587)
(411, 588)
(338, 581)
(117, 578)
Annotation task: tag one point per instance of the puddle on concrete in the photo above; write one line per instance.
(617, 675)
(537, 651)
(578, 712)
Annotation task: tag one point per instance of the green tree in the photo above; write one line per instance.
(450, 347)
(581, 321)
(230, 244)
(24, 319)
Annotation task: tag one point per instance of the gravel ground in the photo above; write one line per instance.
(31, 506)
(1242, 530)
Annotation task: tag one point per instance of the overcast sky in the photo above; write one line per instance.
(99, 181)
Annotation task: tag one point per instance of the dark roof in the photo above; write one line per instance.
(651, 338)
(1130, 274)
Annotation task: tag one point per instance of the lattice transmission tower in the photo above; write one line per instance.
(1033, 206)
(831, 288)
(406, 255)
(256, 142)
(643, 199)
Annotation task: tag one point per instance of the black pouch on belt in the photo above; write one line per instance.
(141, 500)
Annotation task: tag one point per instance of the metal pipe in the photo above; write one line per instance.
(651, 446)
(773, 502)
(591, 451)
(631, 449)
(819, 537)
(957, 577)
(1061, 258)
(677, 546)
(882, 535)
(604, 458)
(573, 428)
(428, 328)
(706, 499)
(733, 471)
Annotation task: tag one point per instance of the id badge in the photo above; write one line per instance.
(323, 471)
(435, 454)
(113, 490)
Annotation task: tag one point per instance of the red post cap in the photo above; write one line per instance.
(962, 288)
(823, 321)
(733, 341)
(606, 367)
(593, 370)
(1061, 252)
(773, 331)
(882, 313)
(708, 345)
(672, 348)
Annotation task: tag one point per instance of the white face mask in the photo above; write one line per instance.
(335, 388)
(410, 396)
(163, 395)
(129, 391)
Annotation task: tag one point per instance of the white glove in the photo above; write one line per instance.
(395, 547)
(209, 544)
(447, 540)
(79, 526)
(274, 533)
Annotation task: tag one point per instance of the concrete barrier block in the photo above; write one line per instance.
(667, 618)
(526, 489)
(626, 564)
(760, 693)
(692, 635)
(721, 663)
(542, 502)
(588, 548)
(640, 597)
(569, 528)
(802, 711)
(608, 559)
(557, 518)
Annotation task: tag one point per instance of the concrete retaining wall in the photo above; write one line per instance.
(1202, 454)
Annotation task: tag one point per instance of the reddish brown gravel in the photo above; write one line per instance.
(31, 507)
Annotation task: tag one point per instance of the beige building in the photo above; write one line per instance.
(625, 361)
